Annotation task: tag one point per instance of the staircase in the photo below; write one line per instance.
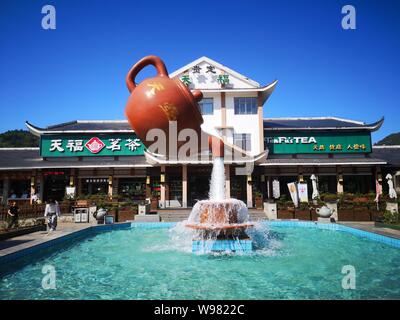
(175, 215)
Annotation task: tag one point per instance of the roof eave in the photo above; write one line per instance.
(36, 131)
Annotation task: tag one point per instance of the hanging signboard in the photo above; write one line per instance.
(276, 192)
(317, 142)
(70, 192)
(86, 145)
(293, 193)
(303, 192)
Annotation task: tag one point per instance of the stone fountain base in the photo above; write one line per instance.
(204, 246)
(220, 226)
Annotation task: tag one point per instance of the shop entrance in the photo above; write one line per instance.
(239, 187)
(198, 184)
(133, 189)
(54, 185)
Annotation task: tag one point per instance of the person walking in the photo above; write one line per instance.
(13, 211)
(52, 212)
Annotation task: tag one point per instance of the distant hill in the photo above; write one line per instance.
(18, 138)
(390, 140)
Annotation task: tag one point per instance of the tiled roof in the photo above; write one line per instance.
(317, 123)
(390, 153)
(29, 158)
(83, 126)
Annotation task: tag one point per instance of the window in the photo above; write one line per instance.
(242, 140)
(247, 105)
(206, 106)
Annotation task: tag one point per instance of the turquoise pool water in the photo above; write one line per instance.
(288, 263)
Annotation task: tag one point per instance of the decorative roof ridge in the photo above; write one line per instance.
(316, 118)
(19, 148)
(217, 64)
(396, 146)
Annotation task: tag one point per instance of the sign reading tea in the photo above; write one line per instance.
(90, 145)
(317, 142)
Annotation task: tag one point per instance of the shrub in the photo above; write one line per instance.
(391, 217)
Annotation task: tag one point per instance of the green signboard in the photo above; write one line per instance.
(89, 145)
(317, 142)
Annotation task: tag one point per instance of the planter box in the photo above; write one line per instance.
(346, 214)
(376, 215)
(125, 215)
(285, 214)
(302, 214)
(314, 215)
(22, 231)
(362, 215)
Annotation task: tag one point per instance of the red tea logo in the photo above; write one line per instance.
(95, 145)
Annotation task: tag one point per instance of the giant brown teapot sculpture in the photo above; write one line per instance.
(156, 101)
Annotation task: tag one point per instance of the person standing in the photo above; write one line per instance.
(13, 211)
(52, 212)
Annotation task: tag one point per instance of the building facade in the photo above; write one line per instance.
(106, 157)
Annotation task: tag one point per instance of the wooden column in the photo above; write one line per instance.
(110, 186)
(162, 189)
(340, 180)
(6, 189)
(269, 187)
(33, 186)
(227, 181)
(249, 192)
(40, 185)
(148, 186)
(115, 186)
(79, 191)
(184, 186)
(378, 175)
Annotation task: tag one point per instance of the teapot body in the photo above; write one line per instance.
(161, 103)
(324, 212)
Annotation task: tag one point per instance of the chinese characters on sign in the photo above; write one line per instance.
(223, 79)
(64, 146)
(186, 80)
(318, 143)
(339, 147)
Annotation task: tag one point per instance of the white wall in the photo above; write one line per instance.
(243, 123)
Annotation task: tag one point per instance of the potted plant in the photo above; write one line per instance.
(259, 200)
(285, 209)
(329, 197)
(390, 220)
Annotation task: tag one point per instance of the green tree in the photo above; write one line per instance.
(18, 138)
(390, 140)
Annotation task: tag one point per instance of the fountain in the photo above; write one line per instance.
(219, 224)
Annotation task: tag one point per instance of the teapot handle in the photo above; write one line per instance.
(317, 210)
(148, 60)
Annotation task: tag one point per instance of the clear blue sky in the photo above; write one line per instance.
(77, 71)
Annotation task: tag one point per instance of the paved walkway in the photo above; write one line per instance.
(32, 239)
(370, 226)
